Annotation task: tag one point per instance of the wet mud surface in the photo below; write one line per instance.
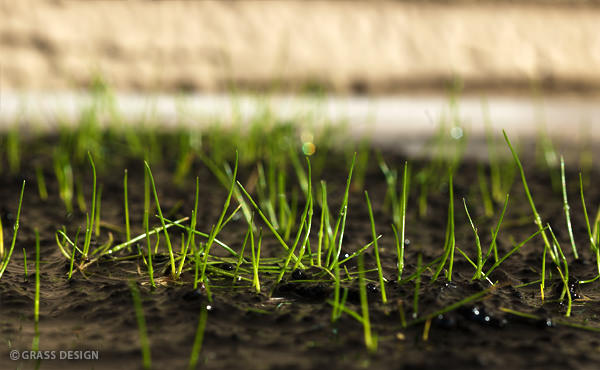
(288, 325)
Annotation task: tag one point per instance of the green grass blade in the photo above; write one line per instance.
(6, 258)
(90, 226)
(266, 220)
(376, 249)
(36, 306)
(593, 245)
(493, 246)
(141, 321)
(400, 246)
(536, 215)
(516, 248)
(417, 286)
(370, 341)
(190, 238)
(197, 347)
(341, 219)
(566, 206)
(479, 264)
(162, 220)
(126, 207)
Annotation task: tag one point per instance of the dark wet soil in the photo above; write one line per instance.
(288, 325)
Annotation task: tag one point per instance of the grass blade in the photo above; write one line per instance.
(536, 215)
(376, 249)
(479, 263)
(90, 224)
(370, 340)
(36, 306)
(197, 347)
(141, 321)
(162, 220)
(566, 206)
(6, 258)
(126, 207)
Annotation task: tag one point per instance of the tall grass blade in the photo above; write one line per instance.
(376, 249)
(6, 258)
(536, 215)
(162, 220)
(141, 321)
(90, 224)
(566, 207)
(197, 347)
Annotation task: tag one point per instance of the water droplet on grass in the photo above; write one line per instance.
(548, 323)
(456, 132)
(372, 288)
(227, 266)
(445, 321)
(299, 275)
(309, 148)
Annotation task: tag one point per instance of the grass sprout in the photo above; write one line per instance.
(566, 207)
(36, 308)
(450, 241)
(417, 286)
(41, 183)
(197, 347)
(479, 264)
(141, 321)
(401, 240)
(162, 220)
(90, 217)
(190, 237)
(376, 249)
(1, 242)
(126, 207)
(255, 259)
(6, 258)
(536, 215)
(341, 221)
(594, 246)
(217, 228)
(370, 339)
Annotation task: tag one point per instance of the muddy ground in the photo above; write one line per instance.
(288, 325)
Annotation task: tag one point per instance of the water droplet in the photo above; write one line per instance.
(445, 321)
(298, 274)
(227, 266)
(456, 132)
(372, 288)
(309, 148)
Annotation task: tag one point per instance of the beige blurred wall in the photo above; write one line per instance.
(373, 46)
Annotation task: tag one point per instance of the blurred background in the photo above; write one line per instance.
(386, 67)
